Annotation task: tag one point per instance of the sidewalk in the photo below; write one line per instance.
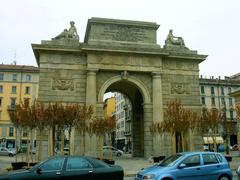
(132, 165)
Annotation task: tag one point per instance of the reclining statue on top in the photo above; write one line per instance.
(173, 40)
(71, 33)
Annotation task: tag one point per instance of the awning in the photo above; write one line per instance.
(209, 140)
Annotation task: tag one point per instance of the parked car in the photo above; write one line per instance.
(24, 150)
(189, 166)
(65, 151)
(109, 149)
(205, 148)
(69, 167)
(234, 147)
(238, 172)
(7, 152)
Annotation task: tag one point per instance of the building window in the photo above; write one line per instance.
(229, 90)
(213, 101)
(231, 114)
(14, 89)
(14, 77)
(1, 88)
(28, 78)
(223, 101)
(1, 77)
(13, 102)
(27, 90)
(11, 131)
(222, 90)
(203, 101)
(25, 132)
(0, 101)
(0, 115)
(212, 90)
(230, 102)
(202, 90)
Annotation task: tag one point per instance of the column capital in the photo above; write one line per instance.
(156, 74)
(92, 71)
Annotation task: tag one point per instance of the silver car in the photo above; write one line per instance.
(113, 150)
(7, 152)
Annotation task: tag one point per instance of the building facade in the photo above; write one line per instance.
(215, 94)
(123, 138)
(17, 83)
(109, 107)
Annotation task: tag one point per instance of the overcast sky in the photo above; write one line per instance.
(211, 27)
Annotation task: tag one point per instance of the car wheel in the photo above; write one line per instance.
(224, 177)
(166, 179)
(10, 155)
(119, 154)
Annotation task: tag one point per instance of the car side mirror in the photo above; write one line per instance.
(181, 166)
(39, 170)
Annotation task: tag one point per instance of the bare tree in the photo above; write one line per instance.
(176, 122)
(83, 118)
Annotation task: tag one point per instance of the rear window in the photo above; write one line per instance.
(98, 163)
(220, 159)
(209, 159)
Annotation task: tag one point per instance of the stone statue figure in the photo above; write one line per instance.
(173, 40)
(71, 33)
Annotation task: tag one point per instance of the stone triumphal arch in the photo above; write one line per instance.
(122, 56)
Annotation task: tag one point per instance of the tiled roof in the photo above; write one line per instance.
(21, 68)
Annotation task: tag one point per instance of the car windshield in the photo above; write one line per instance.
(170, 161)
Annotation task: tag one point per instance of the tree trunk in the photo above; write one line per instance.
(81, 144)
(16, 144)
(84, 142)
(182, 142)
(70, 147)
(173, 140)
(28, 147)
(53, 140)
(21, 143)
(62, 141)
(40, 146)
(109, 144)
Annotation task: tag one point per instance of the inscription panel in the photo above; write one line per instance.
(124, 33)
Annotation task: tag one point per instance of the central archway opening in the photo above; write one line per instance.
(129, 133)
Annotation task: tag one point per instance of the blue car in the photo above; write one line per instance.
(189, 166)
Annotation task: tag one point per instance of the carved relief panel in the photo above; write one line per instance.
(63, 84)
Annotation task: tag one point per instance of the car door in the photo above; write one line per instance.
(78, 168)
(211, 166)
(190, 168)
(51, 169)
(3, 151)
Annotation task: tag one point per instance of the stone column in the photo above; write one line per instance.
(91, 96)
(91, 99)
(157, 106)
(148, 139)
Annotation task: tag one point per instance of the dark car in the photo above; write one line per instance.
(69, 167)
(189, 166)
